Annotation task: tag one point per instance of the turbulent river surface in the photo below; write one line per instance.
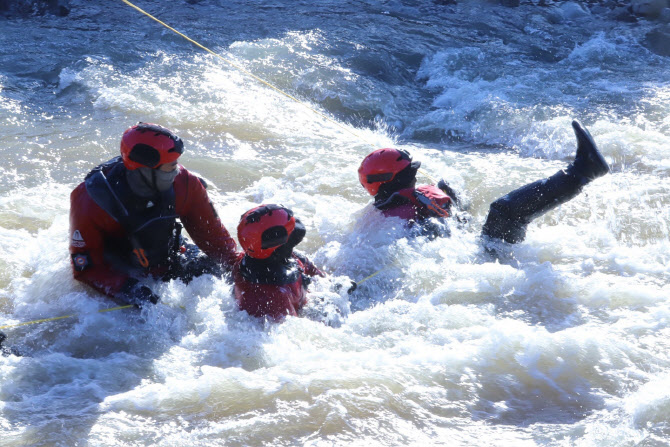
(570, 346)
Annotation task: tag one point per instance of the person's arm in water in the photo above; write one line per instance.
(308, 266)
(202, 223)
(448, 190)
(89, 226)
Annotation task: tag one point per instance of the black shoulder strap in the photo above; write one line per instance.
(262, 271)
(102, 193)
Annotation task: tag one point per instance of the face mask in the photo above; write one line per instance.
(147, 182)
(164, 180)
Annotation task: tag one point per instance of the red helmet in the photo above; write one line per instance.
(381, 166)
(264, 229)
(149, 145)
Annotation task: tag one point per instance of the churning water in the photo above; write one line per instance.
(443, 346)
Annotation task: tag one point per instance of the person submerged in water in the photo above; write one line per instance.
(124, 220)
(271, 278)
(389, 175)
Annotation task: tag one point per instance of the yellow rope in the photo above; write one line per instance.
(369, 277)
(261, 80)
(44, 320)
(425, 174)
(393, 264)
(247, 72)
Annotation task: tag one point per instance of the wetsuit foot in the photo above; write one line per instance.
(589, 163)
(510, 215)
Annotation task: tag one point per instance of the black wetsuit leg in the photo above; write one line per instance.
(510, 215)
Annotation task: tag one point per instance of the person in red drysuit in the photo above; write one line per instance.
(124, 220)
(389, 175)
(270, 278)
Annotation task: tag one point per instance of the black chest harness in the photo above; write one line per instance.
(274, 271)
(151, 224)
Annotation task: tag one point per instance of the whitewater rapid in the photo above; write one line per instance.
(443, 346)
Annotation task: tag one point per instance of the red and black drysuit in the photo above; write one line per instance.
(417, 205)
(277, 285)
(273, 288)
(509, 215)
(115, 234)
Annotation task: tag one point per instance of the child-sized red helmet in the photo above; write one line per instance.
(149, 145)
(381, 166)
(264, 229)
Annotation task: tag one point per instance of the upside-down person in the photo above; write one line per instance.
(124, 220)
(390, 176)
(270, 278)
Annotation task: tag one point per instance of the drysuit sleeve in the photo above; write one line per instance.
(308, 266)
(434, 202)
(200, 220)
(89, 225)
(448, 190)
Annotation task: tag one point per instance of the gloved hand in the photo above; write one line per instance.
(138, 294)
(448, 190)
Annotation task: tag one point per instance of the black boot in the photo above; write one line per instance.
(589, 163)
(510, 215)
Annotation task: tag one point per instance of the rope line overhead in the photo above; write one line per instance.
(247, 72)
(261, 80)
